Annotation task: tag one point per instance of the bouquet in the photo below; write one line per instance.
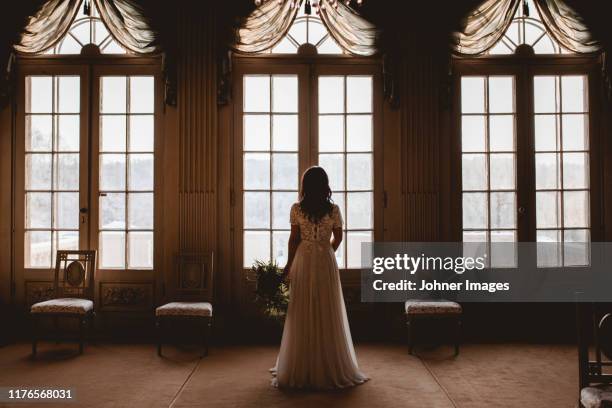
(271, 289)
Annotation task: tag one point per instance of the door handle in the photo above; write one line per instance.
(83, 211)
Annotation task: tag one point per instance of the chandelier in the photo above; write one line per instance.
(317, 4)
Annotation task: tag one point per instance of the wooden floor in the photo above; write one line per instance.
(120, 375)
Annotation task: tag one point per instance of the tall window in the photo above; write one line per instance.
(533, 111)
(88, 152)
(296, 113)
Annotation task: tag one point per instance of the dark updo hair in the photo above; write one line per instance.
(315, 194)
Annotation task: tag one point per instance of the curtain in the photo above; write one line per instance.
(271, 21)
(265, 27)
(351, 31)
(48, 26)
(124, 19)
(485, 26)
(128, 24)
(566, 26)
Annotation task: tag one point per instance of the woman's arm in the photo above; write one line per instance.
(337, 239)
(294, 241)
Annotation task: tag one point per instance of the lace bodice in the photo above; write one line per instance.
(320, 232)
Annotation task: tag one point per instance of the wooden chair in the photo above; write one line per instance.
(594, 324)
(423, 309)
(193, 298)
(73, 294)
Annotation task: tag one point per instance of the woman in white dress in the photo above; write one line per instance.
(316, 350)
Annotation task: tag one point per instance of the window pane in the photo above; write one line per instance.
(112, 172)
(140, 246)
(576, 247)
(501, 95)
(65, 240)
(334, 166)
(575, 209)
(545, 94)
(284, 93)
(359, 211)
(503, 210)
(284, 133)
(573, 93)
(66, 211)
(112, 211)
(546, 133)
(281, 206)
(331, 94)
(358, 133)
(256, 132)
(69, 95)
(38, 171)
(549, 248)
(280, 246)
(575, 170)
(548, 209)
(38, 210)
(574, 132)
(67, 171)
(502, 171)
(472, 95)
(256, 171)
(331, 133)
(142, 98)
(256, 247)
(39, 95)
(353, 241)
(474, 210)
(112, 249)
(68, 133)
(256, 210)
(358, 94)
(113, 94)
(359, 172)
(547, 171)
(473, 133)
(37, 249)
(140, 214)
(256, 93)
(474, 172)
(113, 133)
(141, 133)
(141, 172)
(501, 133)
(39, 133)
(285, 171)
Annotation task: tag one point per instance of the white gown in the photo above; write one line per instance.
(316, 350)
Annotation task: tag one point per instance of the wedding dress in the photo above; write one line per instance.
(316, 350)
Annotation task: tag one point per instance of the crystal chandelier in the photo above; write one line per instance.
(317, 4)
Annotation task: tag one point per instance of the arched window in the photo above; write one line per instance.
(524, 115)
(527, 28)
(87, 29)
(300, 105)
(307, 29)
(87, 148)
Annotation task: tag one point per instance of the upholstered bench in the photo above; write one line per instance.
(194, 309)
(417, 309)
(596, 397)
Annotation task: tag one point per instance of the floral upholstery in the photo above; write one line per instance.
(596, 397)
(202, 309)
(64, 305)
(418, 307)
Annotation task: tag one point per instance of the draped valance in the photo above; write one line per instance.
(124, 19)
(486, 25)
(271, 21)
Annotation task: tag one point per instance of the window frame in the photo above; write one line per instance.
(307, 67)
(525, 68)
(88, 67)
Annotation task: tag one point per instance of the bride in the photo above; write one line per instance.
(316, 350)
